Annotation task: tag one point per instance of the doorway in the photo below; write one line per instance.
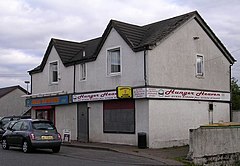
(47, 114)
(82, 122)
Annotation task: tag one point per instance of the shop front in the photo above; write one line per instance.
(44, 107)
(164, 115)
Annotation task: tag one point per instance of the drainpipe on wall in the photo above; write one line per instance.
(230, 104)
(74, 78)
(145, 67)
(31, 83)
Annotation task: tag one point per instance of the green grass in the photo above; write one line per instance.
(184, 161)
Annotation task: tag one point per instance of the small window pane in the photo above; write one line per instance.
(199, 66)
(53, 72)
(55, 77)
(114, 61)
(83, 71)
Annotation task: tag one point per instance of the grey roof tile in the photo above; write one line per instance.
(137, 37)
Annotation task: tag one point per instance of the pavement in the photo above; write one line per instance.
(168, 156)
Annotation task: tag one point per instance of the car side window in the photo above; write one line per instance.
(24, 126)
(17, 126)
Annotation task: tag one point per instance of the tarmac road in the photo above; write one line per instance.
(71, 156)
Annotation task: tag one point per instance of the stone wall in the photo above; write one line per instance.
(216, 144)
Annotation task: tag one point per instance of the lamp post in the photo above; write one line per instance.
(27, 82)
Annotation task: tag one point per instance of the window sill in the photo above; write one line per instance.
(114, 74)
(118, 132)
(200, 76)
(53, 83)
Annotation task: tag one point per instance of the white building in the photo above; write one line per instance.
(178, 69)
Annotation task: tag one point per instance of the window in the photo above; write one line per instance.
(199, 66)
(17, 126)
(46, 114)
(113, 61)
(42, 126)
(119, 116)
(83, 72)
(25, 126)
(53, 74)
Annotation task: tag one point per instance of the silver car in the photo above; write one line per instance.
(30, 134)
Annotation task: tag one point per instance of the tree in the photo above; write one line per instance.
(235, 94)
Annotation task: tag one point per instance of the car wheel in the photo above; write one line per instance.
(56, 149)
(5, 145)
(26, 148)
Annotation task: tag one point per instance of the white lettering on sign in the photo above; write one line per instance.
(95, 96)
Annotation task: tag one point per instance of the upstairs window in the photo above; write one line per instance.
(53, 73)
(113, 61)
(83, 72)
(200, 66)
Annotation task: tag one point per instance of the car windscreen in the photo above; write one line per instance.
(5, 121)
(43, 126)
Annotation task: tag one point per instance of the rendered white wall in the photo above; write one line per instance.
(97, 78)
(12, 103)
(40, 81)
(66, 118)
(142, 118)
(96, 128)
(170, 120)
(173, 62)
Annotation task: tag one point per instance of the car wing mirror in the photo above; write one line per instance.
(9, 128)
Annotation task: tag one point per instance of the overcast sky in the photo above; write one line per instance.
(28, 25)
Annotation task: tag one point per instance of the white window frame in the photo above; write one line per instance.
(202, 73)
(81, 78)
(108, 63)
(84, 54)
(50, 75)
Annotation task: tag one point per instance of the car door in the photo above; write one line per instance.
(23, 133)
(13, 134)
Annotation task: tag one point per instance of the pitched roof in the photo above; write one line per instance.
(70, 52)
(5, 91)
(138, 38)
(141, 37)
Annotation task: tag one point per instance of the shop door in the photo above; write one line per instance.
(82, 122)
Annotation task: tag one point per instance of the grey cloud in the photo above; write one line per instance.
(28, 26)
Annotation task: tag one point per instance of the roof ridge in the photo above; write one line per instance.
(186, 14)
(84, 46)
(157, 31)
(137, 37)
(62, 40)
(121, 22)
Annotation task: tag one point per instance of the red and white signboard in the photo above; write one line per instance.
(158, 93)
(166, 93)
(95, 96)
